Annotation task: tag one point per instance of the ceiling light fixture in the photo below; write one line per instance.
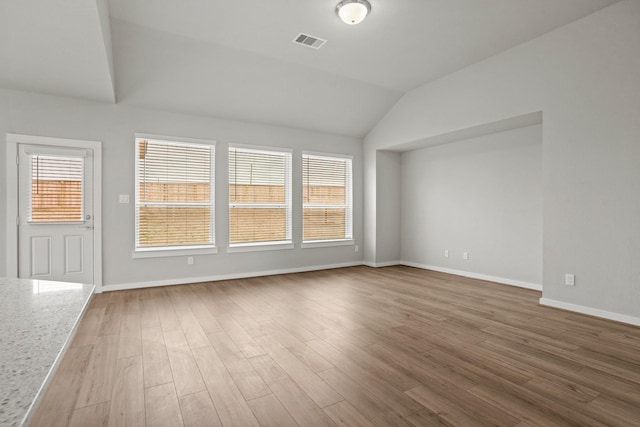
(353, 12)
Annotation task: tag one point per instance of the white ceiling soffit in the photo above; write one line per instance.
(504, 125)
(401, 44)
(163, 71)
(58, 47)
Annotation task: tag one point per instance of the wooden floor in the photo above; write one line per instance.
(395, 346)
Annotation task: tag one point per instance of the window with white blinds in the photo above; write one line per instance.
(327, 198)
(56, 188)
(259, 196)
(174, 194)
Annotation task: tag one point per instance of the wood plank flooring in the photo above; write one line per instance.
(395, 346)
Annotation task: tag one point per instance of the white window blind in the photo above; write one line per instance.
(174, 194)
(259, 196)
(56, 188)
(327, 198)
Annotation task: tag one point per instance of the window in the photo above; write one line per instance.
(259, 196)
(327, 198)
(174, 195)
(56, 188)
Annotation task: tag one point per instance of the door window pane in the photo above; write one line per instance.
(56, 188)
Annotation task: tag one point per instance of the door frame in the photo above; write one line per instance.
(13, 140)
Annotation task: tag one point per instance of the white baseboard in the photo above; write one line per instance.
(502, 280)
(381, 264)
(187, 280)
(591, 311)
(631, 320)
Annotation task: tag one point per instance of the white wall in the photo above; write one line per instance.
(115, 125)
(584, 78)
(483, 196)
(387, 211)
(370, 207)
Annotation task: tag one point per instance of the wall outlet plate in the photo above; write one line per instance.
(446, 253)
(570, 279)
(465, 255)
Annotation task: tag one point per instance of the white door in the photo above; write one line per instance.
(55, 199)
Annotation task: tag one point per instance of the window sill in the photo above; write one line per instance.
(56, 222)
(327, 243)
(256, 247)
(166, 252)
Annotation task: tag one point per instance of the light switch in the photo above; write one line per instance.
(124, 198)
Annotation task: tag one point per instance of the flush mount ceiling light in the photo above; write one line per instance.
(353, 12)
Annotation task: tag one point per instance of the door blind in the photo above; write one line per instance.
(259, 196)
(56, 188)
(174, 194)
(327, 198)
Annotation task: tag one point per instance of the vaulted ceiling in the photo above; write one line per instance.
(236, 59)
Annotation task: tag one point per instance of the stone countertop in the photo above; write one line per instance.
(37, 319)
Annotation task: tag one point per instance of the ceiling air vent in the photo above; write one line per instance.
(309, 41)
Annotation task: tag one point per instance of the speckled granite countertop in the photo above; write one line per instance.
(36, 320)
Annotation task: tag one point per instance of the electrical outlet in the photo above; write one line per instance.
(465, 255)
(356, 248)
(123, 198)
(190, 260)
(570, 279)
(446, 253)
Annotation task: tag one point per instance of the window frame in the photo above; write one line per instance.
(349, 240)
(267, 245)
(176, 250)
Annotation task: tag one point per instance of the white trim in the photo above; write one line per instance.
(349, 194)
(382, 264)
(139, 285)
(165, 138)
(326, 243)
(53, 152)
(502, 280)
(259, 148)
(327, 156)
(12, 210)
(609, 315)
(259, 246)
(97, 217)
(12, 197)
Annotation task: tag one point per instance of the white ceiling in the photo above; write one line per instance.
(59, 47)
(235, 59)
